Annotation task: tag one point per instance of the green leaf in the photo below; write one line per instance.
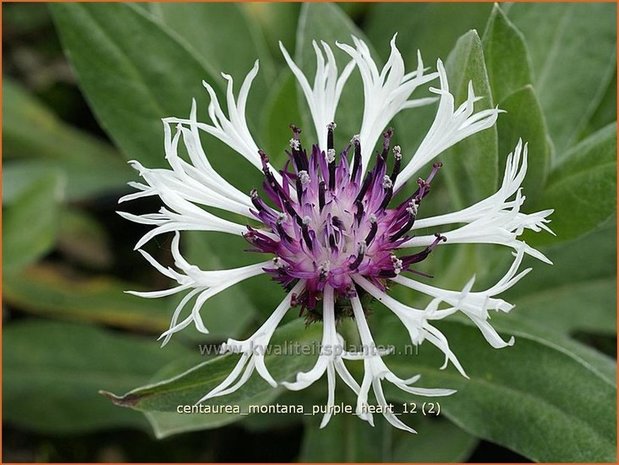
(46, 291)
(348, 439)
(84, 239)
(431, 28)
(507, 58)
(572, 47)
(280, 110)
(188, 387)
(128, 89)
(534, 398)
(278, 22)
(210, 29)
(581, 188)
(524, 120)
(31, 223)
(582, 277)
(53, 372)
(44, 144)
(471, 167)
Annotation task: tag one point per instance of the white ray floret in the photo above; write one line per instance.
(323, 97)
(385, 92)
(202, 187)
(494, 220)
(202, 284)
(450, 126)
(375, 370)
(329, 360)
(253, 350)
(476, 305)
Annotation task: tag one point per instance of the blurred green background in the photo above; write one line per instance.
(84, 87)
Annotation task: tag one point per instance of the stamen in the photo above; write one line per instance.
(397, 154)
(306, 235)
(357, 156)
(295, 144)
(359, 212)
(387, 183)
(360, 254)
(387, 135)
(321, 195)
(330, 127)
(373, 230)
(330, 155)
(304, 177)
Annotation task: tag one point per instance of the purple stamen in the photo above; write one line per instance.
(335, 227)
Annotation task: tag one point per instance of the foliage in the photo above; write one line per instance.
(71, 331)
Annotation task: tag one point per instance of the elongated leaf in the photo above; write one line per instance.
(581, 188)
(524, 120)
(534, 398)
(278, 22)
(31, 223)
(572, 48)
(472, 165)
(348, 439)
(54, 370)
(188, 387)
(140, 73)
(44, 290)
(84, 239)
(43, 144)
(210, 29)
(280, 110)
(506, 55)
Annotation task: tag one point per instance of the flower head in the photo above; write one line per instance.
(329, 226)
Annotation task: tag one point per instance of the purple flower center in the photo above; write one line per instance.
(329, 224)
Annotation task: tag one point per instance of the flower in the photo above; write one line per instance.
(328, 223)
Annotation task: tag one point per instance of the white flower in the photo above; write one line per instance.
(328, 229)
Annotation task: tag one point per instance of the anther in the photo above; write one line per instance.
(303, 177)
(373, 230)
(387, 183)
(330, 127)
(360, 254)
(295, 144)
(357, 157)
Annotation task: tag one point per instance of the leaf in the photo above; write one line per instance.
(53, 372)
(471, 167)
(357, 441)
(44, 144)
(581, 188)
(211, 29)
(424, 448)
(83, 239)
(431, 28)
(188, 387)
(31, 223)
(46, 291)
(327, 22)
(577, 293)
(128, 89)
(572, 48)
(278, 22)
(534, 398)
(524, 120)
(280, 110)
(506, 56)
